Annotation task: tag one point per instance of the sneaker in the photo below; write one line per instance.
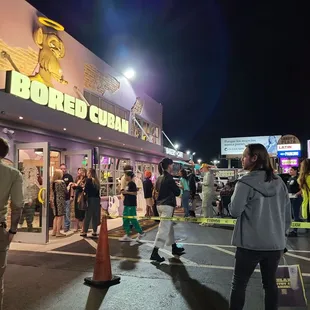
(176, 250)
(140, 236)
(125, 239)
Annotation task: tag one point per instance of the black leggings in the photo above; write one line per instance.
(246, 262)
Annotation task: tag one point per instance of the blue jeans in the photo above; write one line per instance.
(296, 204)
(185, 202)
(67, 215)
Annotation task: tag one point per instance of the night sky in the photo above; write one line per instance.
(220, 68)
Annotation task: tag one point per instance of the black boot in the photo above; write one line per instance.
(155, 256)
(176, 250)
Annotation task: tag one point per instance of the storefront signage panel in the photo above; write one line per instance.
(289, 147)
(173, 152)
(39, 48)
(292, 162)
(289, 154)
(235, 146)
(21, 86)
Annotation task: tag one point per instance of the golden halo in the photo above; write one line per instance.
(50, 23)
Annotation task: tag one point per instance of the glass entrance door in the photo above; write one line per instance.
(32, 160)
(76, 159)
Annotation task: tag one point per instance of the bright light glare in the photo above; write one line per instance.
(130, 74)
(176, 146)
(188, 152)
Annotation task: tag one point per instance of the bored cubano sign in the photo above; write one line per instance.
(23, 87)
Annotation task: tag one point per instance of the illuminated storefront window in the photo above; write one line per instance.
(111, 170)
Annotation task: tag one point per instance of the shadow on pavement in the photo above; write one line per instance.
(95, 298)
(129, 250)
(197, 295)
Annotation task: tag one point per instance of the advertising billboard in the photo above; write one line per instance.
(287, 163)
(289, 143)
(235, 146)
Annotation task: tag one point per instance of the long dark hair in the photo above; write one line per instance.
(94, 177)
(184, 174)
(304, 172)
(164, 164)
(263, 160)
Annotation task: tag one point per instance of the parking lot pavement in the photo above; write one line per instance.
(51, 277)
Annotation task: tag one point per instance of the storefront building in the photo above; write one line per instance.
(60, 103)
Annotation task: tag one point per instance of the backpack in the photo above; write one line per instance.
(192, 183)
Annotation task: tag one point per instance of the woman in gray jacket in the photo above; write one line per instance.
(262, 207)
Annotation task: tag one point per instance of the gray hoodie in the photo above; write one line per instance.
(263, 212)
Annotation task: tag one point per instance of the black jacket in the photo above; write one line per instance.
(167, 190)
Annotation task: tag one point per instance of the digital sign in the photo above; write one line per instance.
(293, 162)
(289, 154)
(236, 146)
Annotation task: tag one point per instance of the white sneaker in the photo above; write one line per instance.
(125, 239)
(140, 236)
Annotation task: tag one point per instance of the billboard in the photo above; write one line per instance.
(235, 146)
(288, 162)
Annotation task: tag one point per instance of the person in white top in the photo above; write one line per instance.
(11, 187)
(207, 192)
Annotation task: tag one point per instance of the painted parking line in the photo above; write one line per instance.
(140, 260)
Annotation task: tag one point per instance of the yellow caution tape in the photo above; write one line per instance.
(219, 221)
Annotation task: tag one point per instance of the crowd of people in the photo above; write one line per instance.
(260, 201)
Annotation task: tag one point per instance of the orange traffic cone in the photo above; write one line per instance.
(102, 272)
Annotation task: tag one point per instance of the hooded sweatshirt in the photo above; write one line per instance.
(263, 212)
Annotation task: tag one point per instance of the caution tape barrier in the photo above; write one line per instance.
(219, 221)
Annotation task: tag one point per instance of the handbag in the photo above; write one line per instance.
(82, 201)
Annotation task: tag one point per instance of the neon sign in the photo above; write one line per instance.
(21, 86)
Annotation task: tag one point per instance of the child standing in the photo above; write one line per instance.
(130, 208)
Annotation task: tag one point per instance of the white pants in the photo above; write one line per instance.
(206, 205)
(165, 234)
